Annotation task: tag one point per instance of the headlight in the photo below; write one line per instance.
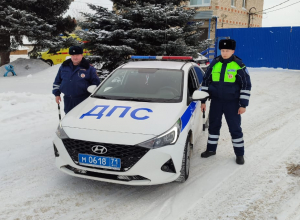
(61, 133)
(168, 138)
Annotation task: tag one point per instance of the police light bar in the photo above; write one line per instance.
(162, 57)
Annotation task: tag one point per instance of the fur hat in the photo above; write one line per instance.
(227, 44)
(75, 50)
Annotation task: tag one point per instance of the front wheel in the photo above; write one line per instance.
(186, 159)
(49, 62)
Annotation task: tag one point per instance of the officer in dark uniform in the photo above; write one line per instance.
(228, 82)
(73, 78)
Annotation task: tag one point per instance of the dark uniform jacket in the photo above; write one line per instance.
(74, 81)
(227, 80)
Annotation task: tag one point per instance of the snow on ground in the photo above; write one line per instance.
(267, 186)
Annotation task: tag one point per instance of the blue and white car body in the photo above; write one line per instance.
(136, 128)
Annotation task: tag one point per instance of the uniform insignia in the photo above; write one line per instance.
(82, 75)
(224, 43)
(73, 51)
(231, 70)
(230, 76)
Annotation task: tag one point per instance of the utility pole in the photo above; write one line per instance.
(250, 15)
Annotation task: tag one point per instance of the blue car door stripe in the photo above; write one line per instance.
(185, 118)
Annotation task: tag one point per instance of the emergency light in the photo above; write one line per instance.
(162, 57)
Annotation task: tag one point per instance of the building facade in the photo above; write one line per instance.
(227, 14)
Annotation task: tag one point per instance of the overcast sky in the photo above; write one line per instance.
(289, 16)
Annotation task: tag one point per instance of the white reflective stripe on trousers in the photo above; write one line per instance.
(238, 140)
(238, 145)
(213, 136)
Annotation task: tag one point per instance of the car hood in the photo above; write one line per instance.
(124, 116)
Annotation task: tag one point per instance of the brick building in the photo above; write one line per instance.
(229, 14)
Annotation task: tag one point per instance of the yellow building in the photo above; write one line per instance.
(227, 14)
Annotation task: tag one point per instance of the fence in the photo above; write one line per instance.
(276, 47)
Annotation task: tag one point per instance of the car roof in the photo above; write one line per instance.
(177, 65)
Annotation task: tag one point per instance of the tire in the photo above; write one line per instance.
(49, 62)
(185, 167)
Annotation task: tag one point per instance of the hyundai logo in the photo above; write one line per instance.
(98, 149)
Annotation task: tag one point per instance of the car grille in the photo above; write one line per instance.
(128, 154)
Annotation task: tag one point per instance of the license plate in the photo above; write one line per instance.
(101, 162)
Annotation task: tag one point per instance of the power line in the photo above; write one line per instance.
(284, 7)
(274, 6)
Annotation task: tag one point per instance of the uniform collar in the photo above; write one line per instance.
(84, 63)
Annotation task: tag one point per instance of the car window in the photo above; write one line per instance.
(192, 83)
(154, 85)
(199, 74)
(53, 50)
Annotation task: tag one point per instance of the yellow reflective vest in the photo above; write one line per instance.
(228, 80)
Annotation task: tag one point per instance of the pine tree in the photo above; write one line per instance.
(40, 21)
(141, 27)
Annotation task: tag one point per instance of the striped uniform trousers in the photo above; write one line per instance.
(233, 119)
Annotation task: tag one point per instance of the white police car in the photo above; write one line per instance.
(138, 127)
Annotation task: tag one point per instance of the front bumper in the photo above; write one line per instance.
(145, 171)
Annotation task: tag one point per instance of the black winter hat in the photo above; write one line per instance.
(75, 50)
(227, 44)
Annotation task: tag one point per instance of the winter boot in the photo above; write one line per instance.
(240, 160)
(207, 154)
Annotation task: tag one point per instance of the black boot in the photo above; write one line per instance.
(240, 160)
(206, 153)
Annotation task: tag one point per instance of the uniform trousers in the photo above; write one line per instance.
(230, 110)
(70, 102)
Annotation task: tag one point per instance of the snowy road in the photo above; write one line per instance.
(266, 187)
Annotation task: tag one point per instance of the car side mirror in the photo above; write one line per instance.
(199, 95)
(91, 88)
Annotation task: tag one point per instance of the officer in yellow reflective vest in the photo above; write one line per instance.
(228, 82)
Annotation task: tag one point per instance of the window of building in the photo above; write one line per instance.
(244, 4)
(200, 2)
(233, 3)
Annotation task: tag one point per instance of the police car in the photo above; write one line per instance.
(138, 127)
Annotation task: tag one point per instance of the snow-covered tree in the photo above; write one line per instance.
(40, 21)
(145, 27)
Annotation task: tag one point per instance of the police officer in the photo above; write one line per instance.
(228, 82)
(73, 78)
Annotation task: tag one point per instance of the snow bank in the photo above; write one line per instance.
(15, 57)
(24, 67)
(30, 80)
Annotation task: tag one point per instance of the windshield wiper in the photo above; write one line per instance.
(135, 99)
(100, 97)
(167, 100)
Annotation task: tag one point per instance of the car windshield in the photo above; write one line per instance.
(149, 85)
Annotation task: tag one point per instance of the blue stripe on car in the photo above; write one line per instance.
(185, 118)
